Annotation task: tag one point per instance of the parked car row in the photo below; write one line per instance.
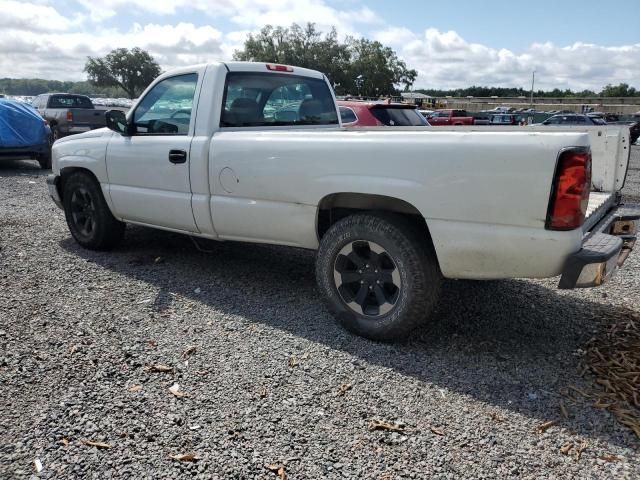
(27, 130)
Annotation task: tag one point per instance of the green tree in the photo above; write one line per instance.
(380, 67)
(131, 70)
(621, 90)
(342, 62)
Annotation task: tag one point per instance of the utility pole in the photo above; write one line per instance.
(533, 79)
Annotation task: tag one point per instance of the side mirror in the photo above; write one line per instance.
(117, 121)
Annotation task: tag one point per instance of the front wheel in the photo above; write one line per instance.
(379, 275)
(88, 216)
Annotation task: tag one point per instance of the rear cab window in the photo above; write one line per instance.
(69, 101)
(256, 99)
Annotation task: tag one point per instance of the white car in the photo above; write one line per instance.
(390, 211)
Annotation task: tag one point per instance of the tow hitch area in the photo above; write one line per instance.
(604, 250)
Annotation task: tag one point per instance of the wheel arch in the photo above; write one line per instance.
(335, 206)
(66, 172)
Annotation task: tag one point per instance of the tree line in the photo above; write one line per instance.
(620, 90)
(355, 66)
(36, 86)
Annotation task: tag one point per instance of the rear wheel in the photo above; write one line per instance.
(88, 216)
(55, 133)
(44, 160)
(378, 274)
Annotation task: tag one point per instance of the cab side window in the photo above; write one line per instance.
(166, 108)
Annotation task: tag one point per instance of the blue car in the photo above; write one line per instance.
(24, 133)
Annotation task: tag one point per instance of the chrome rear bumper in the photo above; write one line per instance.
(604, 249)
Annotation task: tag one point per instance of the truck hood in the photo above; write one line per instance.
(99, 132)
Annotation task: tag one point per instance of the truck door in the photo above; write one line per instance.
(149, 170)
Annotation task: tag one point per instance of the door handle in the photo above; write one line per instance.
(177, 156)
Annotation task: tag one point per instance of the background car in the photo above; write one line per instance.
(371, 114)
(68, 113)
(503, 119)
(450, 116)
(24, 133)
(613, 119)
(572, 119)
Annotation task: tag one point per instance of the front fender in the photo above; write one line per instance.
(82, 151)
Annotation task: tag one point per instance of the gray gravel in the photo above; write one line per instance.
(79, 329)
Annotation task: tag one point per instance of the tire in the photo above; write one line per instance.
(395, 261)
(88, 217)
(55, 134)
(45, 160)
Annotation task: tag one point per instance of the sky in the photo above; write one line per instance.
(573, 44)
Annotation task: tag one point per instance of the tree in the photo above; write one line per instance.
(342, 62)
(131, 70)
(380, 67)
(621, 90)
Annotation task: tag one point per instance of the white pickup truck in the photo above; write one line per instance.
(256, 152)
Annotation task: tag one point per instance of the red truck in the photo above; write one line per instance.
(450, 117)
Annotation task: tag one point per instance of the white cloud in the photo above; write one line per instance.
(31, 16)
(446, 60)
(396, 36)
(62, 56)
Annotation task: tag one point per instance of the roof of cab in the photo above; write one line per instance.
(262, 67)
(240, 67)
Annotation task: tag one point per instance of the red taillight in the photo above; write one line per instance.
(279, 68)
(69, 116)
(570, 194)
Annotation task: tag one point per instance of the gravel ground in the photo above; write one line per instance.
(262, 365)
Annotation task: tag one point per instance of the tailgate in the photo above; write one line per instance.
(87, 117)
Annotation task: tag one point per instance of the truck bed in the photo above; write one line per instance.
(596, 201)
(599, 204)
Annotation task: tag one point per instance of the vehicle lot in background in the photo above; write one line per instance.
(68, 114)
(24, 133)
(272, 378)
(376, 114)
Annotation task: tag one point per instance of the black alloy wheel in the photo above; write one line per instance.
(367, 278)
(83, 211)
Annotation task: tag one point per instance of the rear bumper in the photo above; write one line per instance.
(54, 193)
(603, 251)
